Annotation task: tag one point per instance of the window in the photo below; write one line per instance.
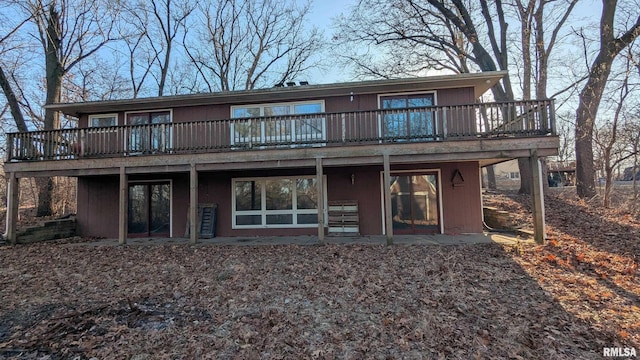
(408, 122)
(275, 202)
(148, 134)
(103, 120)
(514, 175)
(271, 124)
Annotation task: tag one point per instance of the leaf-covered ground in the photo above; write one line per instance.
(565, 300)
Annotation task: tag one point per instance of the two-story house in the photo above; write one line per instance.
(399, 156)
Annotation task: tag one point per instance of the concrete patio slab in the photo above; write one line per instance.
(458, 239)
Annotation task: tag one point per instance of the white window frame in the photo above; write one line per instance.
(101, 116)
(263, 212)
(435, 103)
(293, 137)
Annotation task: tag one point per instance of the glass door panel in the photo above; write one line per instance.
(149, 209)
(414, 203)
(138, 210)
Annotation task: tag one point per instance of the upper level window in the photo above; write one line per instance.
(268, 124)
(103, 120)
(148, 135)
(408, 121)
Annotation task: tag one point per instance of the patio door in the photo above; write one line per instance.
(149, 209)
(406, 118)
(148, 133)
(415, 203)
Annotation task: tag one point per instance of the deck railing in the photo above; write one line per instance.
(425, 124)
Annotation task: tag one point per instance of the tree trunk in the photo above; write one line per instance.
(525, 176)
(608, 185)
(55, 71)
(591, 94)
(491, 177)
(12, 100)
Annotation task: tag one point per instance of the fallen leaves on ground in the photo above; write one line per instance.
(589, 264)
(564, 300)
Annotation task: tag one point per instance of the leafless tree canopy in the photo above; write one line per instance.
(248, 44)
(80, 50)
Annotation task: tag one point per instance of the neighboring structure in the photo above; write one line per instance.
(561, 173)
(507, 175)
(407, 152)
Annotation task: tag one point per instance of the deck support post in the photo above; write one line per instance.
(123, 207)
(193, 204)
(13, 189)
(321, 196)
(387, 198)
(537, 193)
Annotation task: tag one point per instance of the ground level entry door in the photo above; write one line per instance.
(415, 203)
(149, 209)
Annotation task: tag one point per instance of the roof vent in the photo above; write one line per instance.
(278, 85)
(291, 83)
(302, 83)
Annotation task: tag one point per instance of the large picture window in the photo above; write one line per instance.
(407, 121)
(275, 202)
(272, 124)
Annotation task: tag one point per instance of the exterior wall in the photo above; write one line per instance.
(502, 172)
(98, 206)
(356, 102)
(461, 204)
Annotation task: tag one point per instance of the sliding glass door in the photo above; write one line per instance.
(415, 203)
(149, 209)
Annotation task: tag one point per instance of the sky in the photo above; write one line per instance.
(322, 13)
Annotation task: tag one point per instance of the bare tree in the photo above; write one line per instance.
(251, 44)
(459, 36)
(150, 36)
(68, 33)
(612, 146)
(609, 47)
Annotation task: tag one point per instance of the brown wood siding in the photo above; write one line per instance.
(98, 206)
(455, 96)
(366, 190)
(462, 203)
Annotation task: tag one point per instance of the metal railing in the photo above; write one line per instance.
(434, 123)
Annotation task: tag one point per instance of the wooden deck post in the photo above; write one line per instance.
(321, 195)
(387, 199)
(193, 204)
(13, 189)
(123, 207)
(537, 192)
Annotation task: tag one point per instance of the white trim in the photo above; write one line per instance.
(289, 103)
(263, 199)
(434, 92)
(438, 171)
(127, 113)
(151, 181)
(100, 116)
